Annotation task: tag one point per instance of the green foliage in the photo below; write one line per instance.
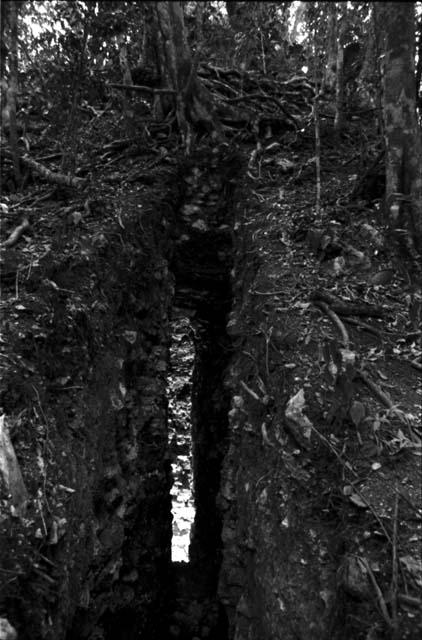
(69, 46)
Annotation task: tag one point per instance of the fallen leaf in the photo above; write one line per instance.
(357, 412)
(357, 501)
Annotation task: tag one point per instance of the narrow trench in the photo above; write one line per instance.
(178, 591)
(198, 404)
(197, 433)
(179, 394)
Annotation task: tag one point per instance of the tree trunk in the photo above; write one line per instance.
(236, 12)
(127, 80)
(299, 14)
(192, 103)
(377, 32)
(402, 133)
(13, 89)
(70, 147)
(419, 71)
(4, 8)
(340, 92)
(330, 69)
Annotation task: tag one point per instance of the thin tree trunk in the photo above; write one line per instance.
(402, 133)
(4, 10)
(127, 80)
(340, 93)
(378, 44)
(330, 69)
(317, 137)
(71, 140)
(300, 11)
(419, 71)
(13, 89)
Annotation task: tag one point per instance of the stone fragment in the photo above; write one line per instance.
(130, 336)
(354, 577)
(10, 472)
(7, 632)
(200, 225)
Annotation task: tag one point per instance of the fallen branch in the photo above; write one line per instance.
(363, 325)
(17, 233)
(345, 465)
(410, 601)
(250, 391)
(383, 398)
(415, 364)
(380, 597)
(51, 176)
(378, 393)
(395, 564)
(139, 87)
(348, 308)
(336, 321)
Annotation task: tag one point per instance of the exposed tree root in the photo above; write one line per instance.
(16, 234)
(51, 176)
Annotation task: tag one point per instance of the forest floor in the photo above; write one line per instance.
(356, 372)
(338, 315)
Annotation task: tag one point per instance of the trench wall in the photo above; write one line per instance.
(278, 579)
(91, 556)
(87, 410)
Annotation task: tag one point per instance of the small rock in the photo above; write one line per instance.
(354, 578)
(174, 631)
(7, 632)
(383, 277)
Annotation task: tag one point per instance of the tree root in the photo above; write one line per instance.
(349, 308)
(16, 234)
(50, 176)
(335, 320)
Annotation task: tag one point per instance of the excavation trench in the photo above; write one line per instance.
(171, 497)
(197, 437)
(178, 504)
(179, 596)
(198, 407)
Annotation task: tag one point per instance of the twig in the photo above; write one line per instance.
(265, 437)
(17, 285)
(138, 87)
(17, 233)
(249, 390)
(411, 601)
(51, 176)
(394, 561)
(42, 516)
(415, 364)
(266, 293)
(363, 325)
(316, 118)
(349, 467)
(335, 320)
(378, 592)
(374, 513)
(347, 308)
(382, 397)
(267, 343)
(336, 453)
